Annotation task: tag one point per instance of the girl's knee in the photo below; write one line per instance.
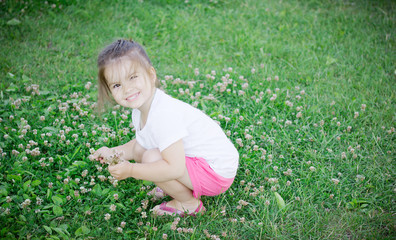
(138, 152)
(151, 155)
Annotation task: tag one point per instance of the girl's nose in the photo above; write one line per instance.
(128, 87)
(127, 90)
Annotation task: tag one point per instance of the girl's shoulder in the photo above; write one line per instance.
(163, 105)
(167, 103)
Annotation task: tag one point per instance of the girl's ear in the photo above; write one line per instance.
(153, 75)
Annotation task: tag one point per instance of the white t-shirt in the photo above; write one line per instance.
(170, 120)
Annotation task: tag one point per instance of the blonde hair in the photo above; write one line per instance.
(114, 53)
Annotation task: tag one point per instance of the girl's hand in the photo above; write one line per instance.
(102, 153)
(122, 170)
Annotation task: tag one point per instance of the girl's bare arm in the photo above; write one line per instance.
(171, 166)
(168, 165)
(130, 150)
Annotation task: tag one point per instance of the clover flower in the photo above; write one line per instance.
(84, 173)
(123, 224)
(360, 178)
(6, 211)
(39, 201)
(288, 172)
(335, 181)
(26, 203)
(88, 85)
(114, 158)
(113, 207)
(273, 180)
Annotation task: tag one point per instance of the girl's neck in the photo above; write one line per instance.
(145, 109)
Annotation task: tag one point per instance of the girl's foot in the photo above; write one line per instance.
(174, 207)
(157, 193)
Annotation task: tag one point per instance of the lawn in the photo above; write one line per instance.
(304, 89)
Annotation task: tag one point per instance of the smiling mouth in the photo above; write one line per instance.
(133, 97)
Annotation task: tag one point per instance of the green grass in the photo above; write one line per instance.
(341, 53)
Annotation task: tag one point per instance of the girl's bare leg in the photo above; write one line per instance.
(179, 189)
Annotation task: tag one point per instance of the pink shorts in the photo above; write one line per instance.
(204, 180)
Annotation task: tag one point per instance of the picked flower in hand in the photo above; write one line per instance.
(114, 158)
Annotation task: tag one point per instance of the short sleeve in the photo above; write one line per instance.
(168, 128)
(135, 118)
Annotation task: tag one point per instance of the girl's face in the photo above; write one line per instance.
(130, 84)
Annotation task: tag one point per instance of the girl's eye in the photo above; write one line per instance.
(116, 86)
(133, 77)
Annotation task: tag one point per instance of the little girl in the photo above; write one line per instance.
(179, 148)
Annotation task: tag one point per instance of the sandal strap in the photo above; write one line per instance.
(170, 209)
(200, 208)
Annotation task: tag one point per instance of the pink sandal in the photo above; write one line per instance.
(171, 211)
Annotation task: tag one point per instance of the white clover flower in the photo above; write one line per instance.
(273, 180)
(335, 181)
(113, 207)
(288, 103)
(88, 85)
(39, 201)
(26, 203)
(360, 178)
(288, 172)
(7, 211)
(107, 216)
(299, 115)
(123, 224)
